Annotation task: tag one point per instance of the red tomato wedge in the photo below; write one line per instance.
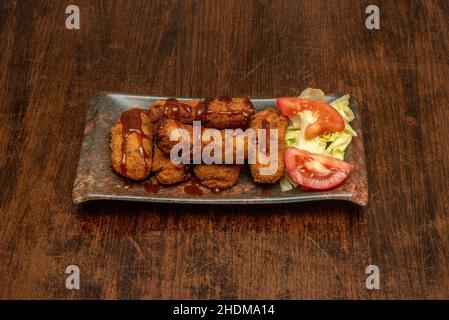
(315, 171)
(328, 119)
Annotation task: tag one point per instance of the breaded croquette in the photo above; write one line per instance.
(220, 113)
(269, 119)
(132, 145)
(166, 171)
(182, 111)
(217, 176)
(228, 113)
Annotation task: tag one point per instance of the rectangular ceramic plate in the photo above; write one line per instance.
(95, 179)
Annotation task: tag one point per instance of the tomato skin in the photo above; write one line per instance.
(328, 119)
(315, 171)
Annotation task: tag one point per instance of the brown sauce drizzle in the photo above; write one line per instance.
(244, 113)
(173, 107)
(132, 123)
(227, 100)
(151, 188)
(193, 188)
(202, 109)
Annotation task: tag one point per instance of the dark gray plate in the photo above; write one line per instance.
(95, 179)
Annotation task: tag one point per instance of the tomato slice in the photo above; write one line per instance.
(315, 171)
(328, 119)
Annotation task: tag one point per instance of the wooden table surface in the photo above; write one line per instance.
(201, 48)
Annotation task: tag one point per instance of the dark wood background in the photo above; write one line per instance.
(201, 48)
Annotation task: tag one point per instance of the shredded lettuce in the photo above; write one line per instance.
(349, 130)
(342, 106)
(337, 148)
(295, 134)
(333, 144)
(287, 182)
(341, 140)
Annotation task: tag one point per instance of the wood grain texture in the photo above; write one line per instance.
(201, 48)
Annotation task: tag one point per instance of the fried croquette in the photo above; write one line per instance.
(132, 145)
(217, 176)
(219, 113)
(269, 119)
(235, 140)
(182, 111)
(166, 171)
(228, 113)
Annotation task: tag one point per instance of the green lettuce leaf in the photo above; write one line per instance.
(287, 182)
(313, 94)
(337, 148)
(342, 106)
